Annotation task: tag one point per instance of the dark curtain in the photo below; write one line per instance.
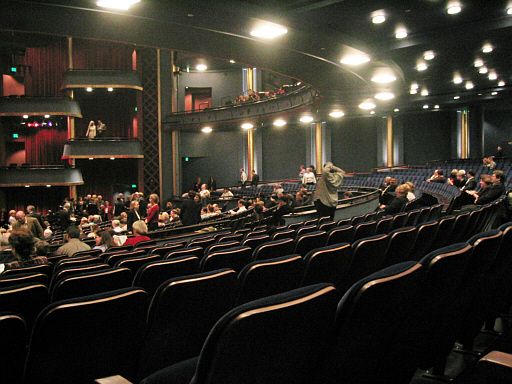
(91, 54)
(41, 197)
(45, 146)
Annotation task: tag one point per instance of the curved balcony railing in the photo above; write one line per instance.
(303, 96)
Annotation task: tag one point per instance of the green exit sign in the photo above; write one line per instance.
(134, 185)
(13, 69)
(15, 136)
(187, 158)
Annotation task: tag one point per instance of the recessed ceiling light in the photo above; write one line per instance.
(367, 104)
(436, 106)
(396, 110)
(232, 61)
(25, 116)
(383, 77)
(429, 55)
(206, 129)
(401, 33)
(384, 96)
(413, 91)
(306, 119)
(247, 126)
(509, 11)
(478, 63)
(494, 93)
(483, 70)
(372, 113)
(48, 186)
(378, 17)
(46, 116)
(414, 86)
(425, 106)
(268, 30)
(112, 158)
(88, 89)
(487, 48)
(355, 59)
(110, 89)
(279, 123)
(493, 75)
(469, 85)
(337, 114)
(456, 97)
(117, 4)
(501, 83)
(453, 8)
(201, 67)
(421, 66)
(91, 158)
(457, 79)
(27, 186)
(424, 92)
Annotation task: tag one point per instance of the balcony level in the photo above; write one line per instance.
(39, 176)
(103, 148)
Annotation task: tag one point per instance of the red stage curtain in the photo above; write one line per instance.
(91, 54)
(45, 146)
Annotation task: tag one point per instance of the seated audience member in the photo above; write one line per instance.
(140, 230)
(239, 208)
(437, 177)
(309, 177)
(396, 205)
(460, 178)
(73, 244)
(452, 179)
(489, 165)
(116, 227)
(386, 183)
(470, 183)
(226, 194)
(94, 228)
(190, 213)
(168, 206)
(163, 219)
(283, 208)
(47, 233)
(103, 240)
(24, 250)
(12, 217)
(410, 192)
(209, 211)
(387, 193)
(302, 171)
(258, 212)
(492, 188)
(30, 223)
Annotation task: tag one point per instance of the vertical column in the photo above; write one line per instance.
(175, 150)
(389, 141)
(318, 147)
(250, 153)
(464, 134)
(71, 120)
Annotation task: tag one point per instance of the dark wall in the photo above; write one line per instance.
(354, 143)
(218, 154)
(497, 129)
(427, 136)
(283, 150)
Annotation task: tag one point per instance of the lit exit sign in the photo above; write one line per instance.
(15, 136)
(14, 70)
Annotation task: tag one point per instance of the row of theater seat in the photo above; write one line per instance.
(389, 323)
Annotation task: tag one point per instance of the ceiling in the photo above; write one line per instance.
(319, 32)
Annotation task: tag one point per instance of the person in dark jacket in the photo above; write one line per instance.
(396, 205)
(190, 213)
(255, 178)
(283, 208)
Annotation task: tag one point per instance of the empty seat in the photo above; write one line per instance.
(255, 233)
(76, 262)
(117, 249)
(192, 251)
(144, 243)
(90, 283)
(269, 277)
(343, 222)
(23, 278)
(90, 252)
(310, 241)
(42, 268)
(384, 225)
(401, 242)
(412, 217)
(328, 264)
(230, 238)
(365, 229)
(26, 300)
(343, 234)
(424, 238)
(79, 340)
(273, 249)
(444, 232)
(399, 220)
(235, 258)
(220, 246)
(278, 339)
(115, 257)
(424, 216)
(163, 251)
(134, 263)
(327, 226)
(357, 220)
(182, 313)
(367, 318)
(13, 348)
(288, 233)
(201, 241)
(71, 271)
(254, 241)
(305, 229)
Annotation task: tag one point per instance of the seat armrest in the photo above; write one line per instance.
(495, 368)
(112, 380)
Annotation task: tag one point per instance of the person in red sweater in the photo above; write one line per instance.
(153, 212)
(140, 231)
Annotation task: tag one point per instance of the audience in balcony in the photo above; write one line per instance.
(29, 223)
(212, 184)
(103, 240)
(302, 171)
(492, 187)
(226, 194)
(152, 212)
(73, 243)
(489, 165)
(470, 183)
(243, 177)
(437, 177)
(398, 202)
(241, 207)
(140, 231)
(23, 245)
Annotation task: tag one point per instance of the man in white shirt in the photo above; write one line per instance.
(239, 209)
(309, 177)
(243, 177)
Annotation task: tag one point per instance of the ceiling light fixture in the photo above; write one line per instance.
(401, 33)
(483, 70)
(383, 77)
(424, 92)
(232, 61)
(453, 8)
(457, 79)
(509, 11)
(25, 116)
(469, 85)
(306, 119)
(436, 106)
(421, 66)
(48, 186)
(268, 30)
(456, 97)
(279, 123)
(123, 5)
(91, 158)
(88, 89)
(494, 93)
(46, 116)
(478, 63)
(396, 110)
(501, 83)
(337, 114)
(414, 86)
(372, 113)
(247, 126)
(378, 17)
(429, 55)
(493, 75)
(384, 96)
(425, 106)
(413, 91)
(112, 158)
(487, 48)
(110, 89)
(355, 59)
(206, 129)
(201, 67)
(367, 104)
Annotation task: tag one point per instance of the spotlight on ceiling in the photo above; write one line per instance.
(201, 67)
(25, 116)
(457, 79)
(383, 76)
(494, 93)
(478, 63)
(396, 110)
(247, 126)
(421, 66)
(413, 91)
(268, 30)
(487, 48)
(336, 114)
(509, 11)
(306, 119)
(469, 85)
(456, 97)
(206, 129)
(232, 61)
(384, 96)
(110, 89)
(88, 89)
(372, 112)
(123, 5)
(436, 106)
(501, 83)
(279, 123)
(425, 106)
(493, 75)
(378, 17)
(367, 104)
(424, 92)
(112, 158)
(483, 70)
(453, 7)
(401, 33)
(354, 59)
(429, 55)
(414, 86)
(46, 116)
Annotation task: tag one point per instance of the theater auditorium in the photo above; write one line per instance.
(255, 192)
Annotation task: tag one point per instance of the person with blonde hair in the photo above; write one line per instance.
(410, 192)
(153, 212)
(91, 130)
(140, 230)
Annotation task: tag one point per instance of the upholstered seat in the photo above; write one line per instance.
(310, 241)
(235, 258)
(329, 264)
(273, 249)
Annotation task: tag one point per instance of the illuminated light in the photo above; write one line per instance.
(279, 123)
(414, 86)
(268, 30)
(13, 69)
(91, 158)
(232, 61)
(413, 91)
(367, 105)
(110, 89)
(421, 66)
(44, 123)
(396, 110)
(50, 124)
(494, 93)
(306, 119)
(112, 158)
(372, 113)
(15, 136)
(46, 116)
(186, 158)
(493, 75)
(27, 186)
(247, 126)
(429, 55)
(385, 96)
(453, 8)
(206, 129)
(48, 186)
(383, 76)
(201, 67)
(424, 92)
(134, 185)
(487, 48)
(337, 114)
(122, 5)
(509, 11)
(88, 89)
(469, 85)
(401, 33)
(36, 125)
(501, 83)
(355, 59)
(436, 106)
(425, 106)
(25, 116)
(457, 79)
(483, 70)
(378, 18)
(456, 97)
(478, 63)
